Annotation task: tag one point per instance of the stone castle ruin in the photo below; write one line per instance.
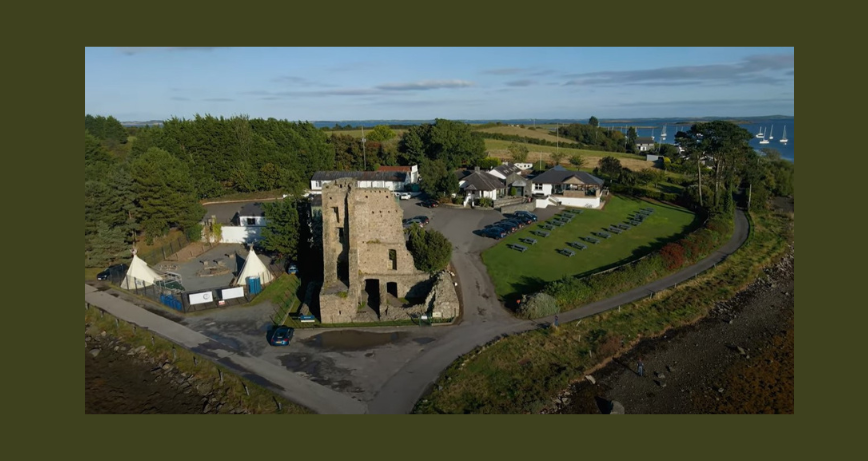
(367, 269)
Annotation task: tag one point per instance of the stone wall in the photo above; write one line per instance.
(520, 207)
(373, 248)
(442, 302)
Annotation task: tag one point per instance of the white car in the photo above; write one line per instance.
(404, 196)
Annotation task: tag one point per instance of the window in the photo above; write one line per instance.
(393, 257)
(341, 234)
(337, 215)
(537, 187)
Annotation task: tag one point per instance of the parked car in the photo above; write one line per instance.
(410, 222)
(423, 219)
(494, 232)
(430, 203)
(514, 222)
(508, 226)
(280, 336)
(404, 195)
(113, 271)
(292, 269)
(526, 214)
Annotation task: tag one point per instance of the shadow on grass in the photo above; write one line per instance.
(525, 285)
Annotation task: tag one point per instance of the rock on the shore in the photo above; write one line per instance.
(94, 352)
(591, 379)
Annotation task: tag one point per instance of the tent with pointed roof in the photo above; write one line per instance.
(139, 275)
(253, 267)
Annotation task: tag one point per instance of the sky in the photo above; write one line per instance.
(342, 84)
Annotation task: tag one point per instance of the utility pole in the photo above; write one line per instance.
(364, 152)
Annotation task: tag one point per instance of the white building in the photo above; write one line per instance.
(392, 180)
(569, 188)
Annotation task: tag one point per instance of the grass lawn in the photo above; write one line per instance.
(517, 273)
(524, 132)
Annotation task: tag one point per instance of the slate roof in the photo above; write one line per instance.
(508, 169)
(251, 209)
(645, 140)
(559, 174)
(481, 180)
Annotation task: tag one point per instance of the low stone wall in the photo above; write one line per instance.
(520, 207)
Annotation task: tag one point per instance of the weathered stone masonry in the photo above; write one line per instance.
(363, 239)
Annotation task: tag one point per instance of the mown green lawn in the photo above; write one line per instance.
(517, 273)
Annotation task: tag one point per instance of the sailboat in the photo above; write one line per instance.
(784, 137)
(772, 133)
(663, 133)
(764, 141)
(760, 134)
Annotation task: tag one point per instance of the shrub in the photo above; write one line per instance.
(486, 202)
(431, 250)
(673, 256)
(538, 305)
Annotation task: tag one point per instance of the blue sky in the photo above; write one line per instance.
(137, 84)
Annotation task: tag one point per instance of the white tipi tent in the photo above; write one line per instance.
(139, 275)
(253, 267)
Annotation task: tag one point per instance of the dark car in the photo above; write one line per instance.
(423, 219)
(526, 214)
(112, 272)
(515, 222)
(510, 227)
(430, 203)
(494, 232)
(280, 336)
(522, 219)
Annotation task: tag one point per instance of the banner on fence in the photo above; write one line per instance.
(232, 293)
(200, 298)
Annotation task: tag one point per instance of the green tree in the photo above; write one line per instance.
(577, 160)
(518, 152)
(107, 245)
(558, 156)
(380, 133)
(632, 135)
(165, 194)
(437, 180)
(431, 250)
(488, 163)
(610, 166)
(281, 233)
(594, 122)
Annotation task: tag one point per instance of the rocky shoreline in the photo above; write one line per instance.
(121, 379)
(739, 359)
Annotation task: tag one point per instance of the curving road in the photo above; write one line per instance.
(480, 325)
(483, 319)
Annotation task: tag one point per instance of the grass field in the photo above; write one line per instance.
(525, 132)
(523, 373)
(499, 149)
(358, 133)
(517, 273)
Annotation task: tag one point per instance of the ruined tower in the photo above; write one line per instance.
(365, 257)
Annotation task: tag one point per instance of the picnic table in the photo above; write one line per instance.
(605, 235)
(615, 230)
(517, 247)
(547, 226)
(529, 241)
(566, 252)
(591, 239)
(635, 223)
(577, 245)
(624, 226)
(540, 233)
(558, 223)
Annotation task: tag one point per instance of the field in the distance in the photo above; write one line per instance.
(516, 273)
(500, 149)
(543, 134)
(358, 133)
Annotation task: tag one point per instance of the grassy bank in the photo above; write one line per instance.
(516, 273)
(523, 373)
(500, 149)
(259, 401)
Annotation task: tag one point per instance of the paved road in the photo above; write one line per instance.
(483, 320)
(404, 389)
(295, 388)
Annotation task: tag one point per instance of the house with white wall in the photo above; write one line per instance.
(645, 144)
(569, 188)
(392, 180)
(411, 171)
(479, 184)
